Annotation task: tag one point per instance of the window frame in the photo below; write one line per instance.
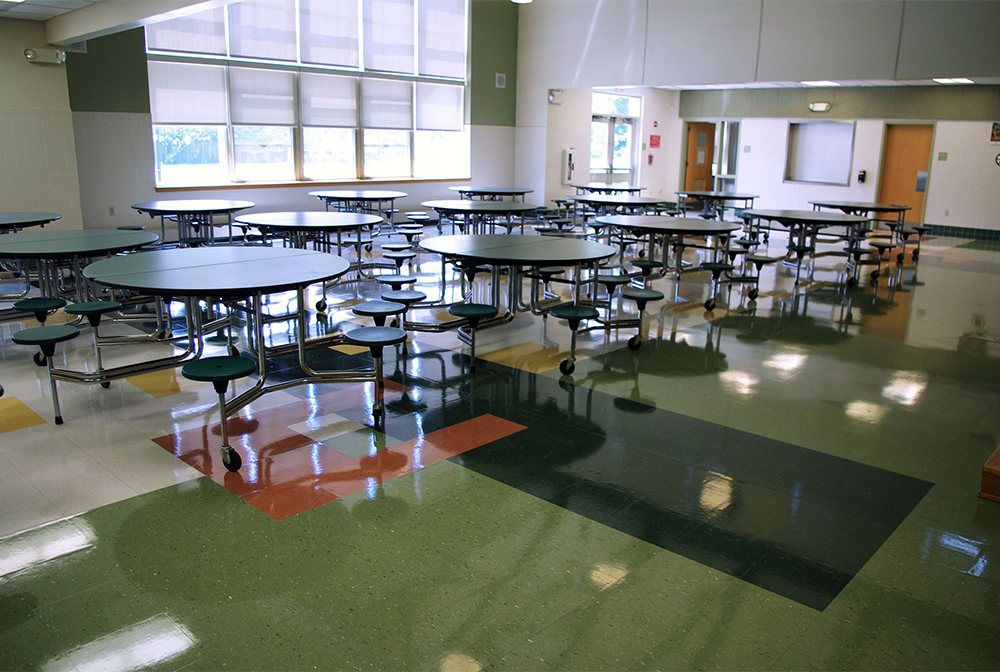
(299, 68)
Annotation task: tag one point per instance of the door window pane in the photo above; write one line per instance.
(387, 153)
(622, 158)
(329, 153)
(598, 146)
(188, 156)
(263, 153)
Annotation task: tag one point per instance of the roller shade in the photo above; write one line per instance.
(263, 29)
(441, 36)
(328, 100)
(261, 97)
(386, 104)
(184, 93)
(329, 32)
(439, 107)
(389, 35)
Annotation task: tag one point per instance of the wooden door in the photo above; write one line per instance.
(905, 165)
(701, 149)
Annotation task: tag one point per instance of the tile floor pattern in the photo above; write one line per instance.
(783, 486)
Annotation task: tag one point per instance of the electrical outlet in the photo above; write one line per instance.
(947, 213)
(111, 211)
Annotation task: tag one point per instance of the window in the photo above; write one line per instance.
(820, 151)
(284, 90)
(612, 134)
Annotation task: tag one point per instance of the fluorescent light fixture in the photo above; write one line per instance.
(14, 1)
(521, 2)
(821, 82)
(954, 80)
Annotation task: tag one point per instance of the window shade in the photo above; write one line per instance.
(329, 32)
(386, 104)
(183, 93)
(441, 26)
(389, 35)
(263, 29)
(439, 107)
(201, 33)
(262, 96)
(328, 100)
(820, 152)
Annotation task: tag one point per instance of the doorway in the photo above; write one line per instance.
(905, 166)
(700, 151)
(612, 141)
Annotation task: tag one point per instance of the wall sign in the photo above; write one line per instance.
(654, 142)
(995, 135)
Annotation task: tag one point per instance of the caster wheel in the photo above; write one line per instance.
(38, 358)
(900, 257)
(710, 305)
(106, 384)
(875, 274)
(634, 343)
(916, 255)
(234, 352)
(368, 248)
(394, 324)
(852, 281)
(321, 305)
(642, 253)
(753, 294)
(566, 367)
(231, 460)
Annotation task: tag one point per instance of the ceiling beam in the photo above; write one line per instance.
(113, 16)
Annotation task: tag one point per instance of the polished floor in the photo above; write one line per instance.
(787, 484)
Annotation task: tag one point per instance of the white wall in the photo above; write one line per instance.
(115, 152)
(37, 155)
(761, 171)
(965, 189)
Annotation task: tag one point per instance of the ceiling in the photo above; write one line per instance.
(40, 10)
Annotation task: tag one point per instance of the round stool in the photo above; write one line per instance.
(881, 246)
(408, 298)
(93, 310)
(473, 314)
(399, 257)
(396, 282)
(375, 339)
(219, 371)
(379, 310)
(573, 314)
(41, 307)
(759, 261)
(46, 338)
(641, 298)
(716, 268)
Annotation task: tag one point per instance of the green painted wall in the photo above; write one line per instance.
(493, 49)
(111, 76)
(980, 103)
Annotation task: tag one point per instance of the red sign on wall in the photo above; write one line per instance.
(654, 142)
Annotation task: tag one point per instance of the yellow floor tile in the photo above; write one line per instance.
(350, 349)
(15, 415)
(158, 383)
(527, 357)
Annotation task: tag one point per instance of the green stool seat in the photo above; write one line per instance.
(219, 371)
(131, 228)
(40, 307)
(399, 257)
(473, 313)
(717, 266)
(46, 338)
(194, 241)
(395, 281)
(882, 245)
(379, 310)
(405, 296)
(647, 266)
(611, 280)
(397, 247)
(376, 338)
(93, 309)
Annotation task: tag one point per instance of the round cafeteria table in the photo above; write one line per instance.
(298, 228)
(713, 202)
(517, 251)
(12, 221)
(665, 227)
(614, 204)
(479, 214)
(867, 209)
(51, 248)
(191, 213)
(492, 193)
(604, 188)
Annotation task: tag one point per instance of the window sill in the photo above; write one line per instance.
(373, 183)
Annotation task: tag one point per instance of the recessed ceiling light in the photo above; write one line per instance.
(11, 0)
(954, 80)
(821, 82)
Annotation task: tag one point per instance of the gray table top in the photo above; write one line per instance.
(718, 195)
(66, 244)
(222, 271)
(611, 199)
(857, 207)
(312, 220)
(604, 188)
(492, 191)
(514, 249)
(695, 226)
(360, 195)
(480, 207)
(19, 219)
(193, 206)
(807, 217)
